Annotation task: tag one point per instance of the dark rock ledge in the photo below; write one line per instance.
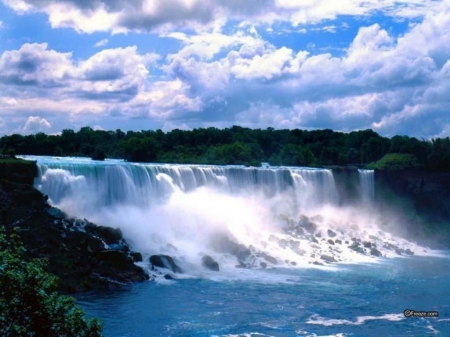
(83, 255)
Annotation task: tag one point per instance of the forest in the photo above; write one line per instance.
(239, 146)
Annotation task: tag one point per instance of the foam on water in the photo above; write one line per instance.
(251, 217)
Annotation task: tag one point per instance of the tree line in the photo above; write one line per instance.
(235, 145)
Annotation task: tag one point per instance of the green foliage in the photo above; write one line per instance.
(29, 302)
(233, 146)
(394, 161)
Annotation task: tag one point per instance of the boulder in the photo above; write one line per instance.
(270, 259)
(367, 244)
(165, 261)
(375, 252)
(331, 242)
(327, 258)
(209, 263)
(136, 256)
(331, 234)
(409, 252)
(116, 258)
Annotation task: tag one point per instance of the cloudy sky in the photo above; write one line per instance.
(148, 64)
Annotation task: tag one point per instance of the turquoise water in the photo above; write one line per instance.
(350, 300)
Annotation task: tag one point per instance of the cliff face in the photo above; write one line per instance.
(83, 255)
(424, 196)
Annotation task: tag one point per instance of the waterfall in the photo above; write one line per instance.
(89, 185)
(245, 216)
(367, 185)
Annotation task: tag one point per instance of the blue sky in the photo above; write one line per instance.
(148, 64)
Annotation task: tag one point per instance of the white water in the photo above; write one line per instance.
(187, 211)
(367, 183)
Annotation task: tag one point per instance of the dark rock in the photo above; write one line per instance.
(375, 252)
(169, 277)
(117, 258)
(136, 256)
(317, 263)
(263, 265)
(338, 241)
(209, 263)
(94, 245)
(331, 234)
(331, 242)
(306, 224)
(356, 247)
(327, 258)
(409, 252)
(165, 261)
(270, 259)
(367, 244)
(109, 234)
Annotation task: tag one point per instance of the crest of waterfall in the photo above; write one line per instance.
(85, 186)
(367, 185)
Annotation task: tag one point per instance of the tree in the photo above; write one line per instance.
(29, 302)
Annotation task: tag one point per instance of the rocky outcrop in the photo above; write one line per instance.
(83, 255)
(209, 263)
(165, 261)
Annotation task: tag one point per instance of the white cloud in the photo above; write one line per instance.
(36, 124)
(101, 43)
(394, 84)
(148, 15)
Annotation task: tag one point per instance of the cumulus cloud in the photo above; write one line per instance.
(393, 84)
(36, 124)
(148, 15)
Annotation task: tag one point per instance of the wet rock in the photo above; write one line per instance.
(136, 256)
(331, 242)
(307, 225)
(263, 265)
(409, 252)
(331, 234)
(317, 263)
(117, 258)
(109, 234)
(367, 244)
(270, 259)
(165, 261)
(94, 245)
(209, 263)
(338, 241)
(327, 258)
(375, 252)
(169, 277)
(357, 248)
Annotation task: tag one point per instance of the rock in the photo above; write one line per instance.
(117, 258)
(306, 224)
(338, 241)
(109, 234)
(94, 245)
(165, 261)
(367, 244)
(209, 263)
(169, 277)
(270, 259)
(331, 234)
(375, 252)
(136, 256)
(409, 252)
(331, 242)
(317, 263)
(263, 265)
(356, 247)
(327, 258)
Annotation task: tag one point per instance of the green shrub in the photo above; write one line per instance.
(29, 302)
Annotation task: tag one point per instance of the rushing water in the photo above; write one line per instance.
(312, 267)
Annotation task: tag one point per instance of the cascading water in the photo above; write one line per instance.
(250, 217)
(367, 185)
